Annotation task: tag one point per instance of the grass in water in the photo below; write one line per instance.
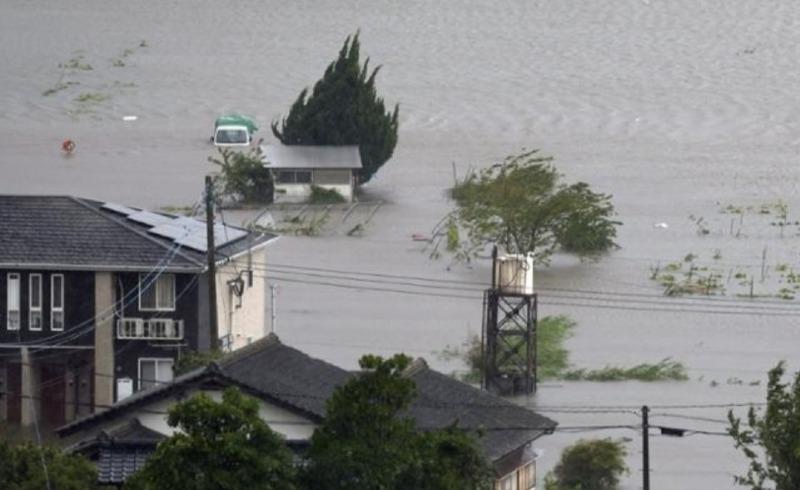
(665, 370)
(91, 98)
(553, 358)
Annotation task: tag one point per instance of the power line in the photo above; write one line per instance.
(290, 268)
(593, 303)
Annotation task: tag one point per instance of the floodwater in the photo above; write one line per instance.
(677, 108)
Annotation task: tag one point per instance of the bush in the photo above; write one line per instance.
(321, 195)
(243, 176)
(589, 465)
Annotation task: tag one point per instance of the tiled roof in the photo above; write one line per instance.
(120, 451)
(64, 232)
(302, 383)
(116, 464)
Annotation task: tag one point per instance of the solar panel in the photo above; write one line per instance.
(169, 230)
(118, 208)
(148, 218)
(188, 232)
(224, 234)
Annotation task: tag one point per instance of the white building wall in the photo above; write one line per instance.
(244, 318)
(282, 421)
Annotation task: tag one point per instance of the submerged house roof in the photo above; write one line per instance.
(311, 156)
(65, 232)
(293, 380)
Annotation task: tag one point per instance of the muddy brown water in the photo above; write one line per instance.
(676, 108)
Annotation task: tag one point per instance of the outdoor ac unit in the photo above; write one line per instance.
(514, 274)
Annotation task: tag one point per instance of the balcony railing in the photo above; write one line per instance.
(150, 329)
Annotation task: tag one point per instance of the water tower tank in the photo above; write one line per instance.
(514, 274)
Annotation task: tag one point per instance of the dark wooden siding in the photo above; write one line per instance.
(130, 351)
(78, 308)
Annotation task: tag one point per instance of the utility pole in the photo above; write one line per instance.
(212, 265)
(645, 449)
(273, 314)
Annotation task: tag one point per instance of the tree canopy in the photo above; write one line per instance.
(220, 446)
(770, 440)
(243, 176)
(344, 109)
(31, 467)
(595, 464)
(365, 441)
(523, 206)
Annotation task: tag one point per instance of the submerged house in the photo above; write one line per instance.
(296, 168)
(98, 300)
(292, 389)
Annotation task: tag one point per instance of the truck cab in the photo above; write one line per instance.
(233, 130)
(231, 136)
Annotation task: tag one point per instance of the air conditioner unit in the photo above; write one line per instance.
(129, 328)
(513, 274)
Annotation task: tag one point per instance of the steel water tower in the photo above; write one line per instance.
(508, 339)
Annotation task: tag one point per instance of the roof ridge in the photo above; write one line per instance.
(139, 232)
(417, 365)
(249, 349)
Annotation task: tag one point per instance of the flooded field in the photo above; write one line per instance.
(679, 109)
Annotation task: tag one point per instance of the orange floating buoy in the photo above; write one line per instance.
(68, 146)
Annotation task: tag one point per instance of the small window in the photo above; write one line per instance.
(57, 302)
(153, 372)
(294, 177)
(35, 302)
(158, 294)
(12, 302)
(303, 177)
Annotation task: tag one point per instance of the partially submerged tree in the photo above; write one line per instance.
(595, 464)
(344, 109)
(523, 206)
(243, 176)
(220, 446)
(365, 441)
(31, 467)
(771, 440)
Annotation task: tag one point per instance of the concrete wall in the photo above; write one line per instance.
(245, 317)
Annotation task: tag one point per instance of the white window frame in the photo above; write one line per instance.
(34, 308)
(53, 308)
(154, 286)
(157, 360)
(13, 276)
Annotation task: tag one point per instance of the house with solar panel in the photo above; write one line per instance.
(296, 169)
(99, 300)
(292, 389)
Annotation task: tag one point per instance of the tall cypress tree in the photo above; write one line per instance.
(344, 109)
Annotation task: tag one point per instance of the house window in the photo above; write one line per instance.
(35, 302)
(153, 372)
(12, 302)
(294, 177)
(57, 302)
(158, 295)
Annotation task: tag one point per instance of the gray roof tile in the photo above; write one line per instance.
(64, 232)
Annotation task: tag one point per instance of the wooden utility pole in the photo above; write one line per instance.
(212, 265)
(645, 449)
